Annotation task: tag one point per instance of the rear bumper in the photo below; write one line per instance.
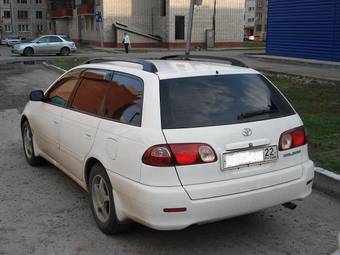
(145, 204)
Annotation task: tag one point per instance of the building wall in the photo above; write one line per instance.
(249, 17)
(304, 29)
(147, 17)
(229, 21)
(139, 14)
(31, 22)
(261, 11)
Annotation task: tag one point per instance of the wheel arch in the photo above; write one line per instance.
(23, 119)
(90, 162)
(64, 48)
(29, 47)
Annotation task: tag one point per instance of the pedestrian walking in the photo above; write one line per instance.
(126, 42)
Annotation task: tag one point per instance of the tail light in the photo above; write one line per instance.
(179, 154)
(293, 138)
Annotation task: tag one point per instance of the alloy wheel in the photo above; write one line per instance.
(101, 198)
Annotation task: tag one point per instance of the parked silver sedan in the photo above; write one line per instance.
(48, 44)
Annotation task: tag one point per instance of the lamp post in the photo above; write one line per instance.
(190, 22)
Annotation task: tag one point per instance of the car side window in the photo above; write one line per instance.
(62, 91)
(90, 95)
(124, 100)
(44, 39)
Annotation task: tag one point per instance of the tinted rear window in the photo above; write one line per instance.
(219, 100)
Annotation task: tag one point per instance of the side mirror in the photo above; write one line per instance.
(37, 95)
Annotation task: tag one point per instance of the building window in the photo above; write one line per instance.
(39, 15)
(163, 7)
(22, 1)
(40, 28)
(259, 16)
(22, 14)
(23, 28)
(7, 14)
(258, 27)
(6, 1)
(8, 28)
(38, 1)
(259, 3)
(179, 27)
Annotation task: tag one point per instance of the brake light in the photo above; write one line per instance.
(293, 138)
(158, 155)
(179, 154)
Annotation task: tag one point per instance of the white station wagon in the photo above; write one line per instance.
(170, 143)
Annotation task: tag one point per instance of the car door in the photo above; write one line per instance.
(41, 46)
(79, 124)
(120, 132)
(55, 44)
(50, 112)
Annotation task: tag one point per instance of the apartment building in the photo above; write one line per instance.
(260, 28)
(249, 18)
(26, 18)
(149, 23)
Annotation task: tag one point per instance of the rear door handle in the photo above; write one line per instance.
(88, 135)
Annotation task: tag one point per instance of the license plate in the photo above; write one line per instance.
(245, 158)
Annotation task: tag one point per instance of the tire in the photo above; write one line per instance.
(65, 51)
(102, 202)
(28, 52)
(28, 145)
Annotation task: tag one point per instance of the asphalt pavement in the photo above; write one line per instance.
(44, 212)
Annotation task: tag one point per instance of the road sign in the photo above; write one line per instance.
(99, 17)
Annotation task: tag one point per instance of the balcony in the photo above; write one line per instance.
(86, 9)
(61, 13)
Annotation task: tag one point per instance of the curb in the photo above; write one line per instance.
(54, 68)
(327, 182)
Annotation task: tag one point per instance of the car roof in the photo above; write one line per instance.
(167, 69)
(184, 68)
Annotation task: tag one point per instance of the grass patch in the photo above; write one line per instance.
(67, 63)
(319, 107)
(254, 44)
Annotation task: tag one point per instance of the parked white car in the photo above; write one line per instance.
(48, 44)
(11, 40)
(170, 143)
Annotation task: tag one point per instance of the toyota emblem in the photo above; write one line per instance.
(247, 132)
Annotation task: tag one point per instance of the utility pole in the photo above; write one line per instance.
(190, 22)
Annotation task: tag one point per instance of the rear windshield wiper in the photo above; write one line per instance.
(246, 115)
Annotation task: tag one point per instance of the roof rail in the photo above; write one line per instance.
(233, 61)
(147, 66)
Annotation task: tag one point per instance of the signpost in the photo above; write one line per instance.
(190, 22)
(99, 20)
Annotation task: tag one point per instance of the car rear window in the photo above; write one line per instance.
(219, 100)
(66, 38)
